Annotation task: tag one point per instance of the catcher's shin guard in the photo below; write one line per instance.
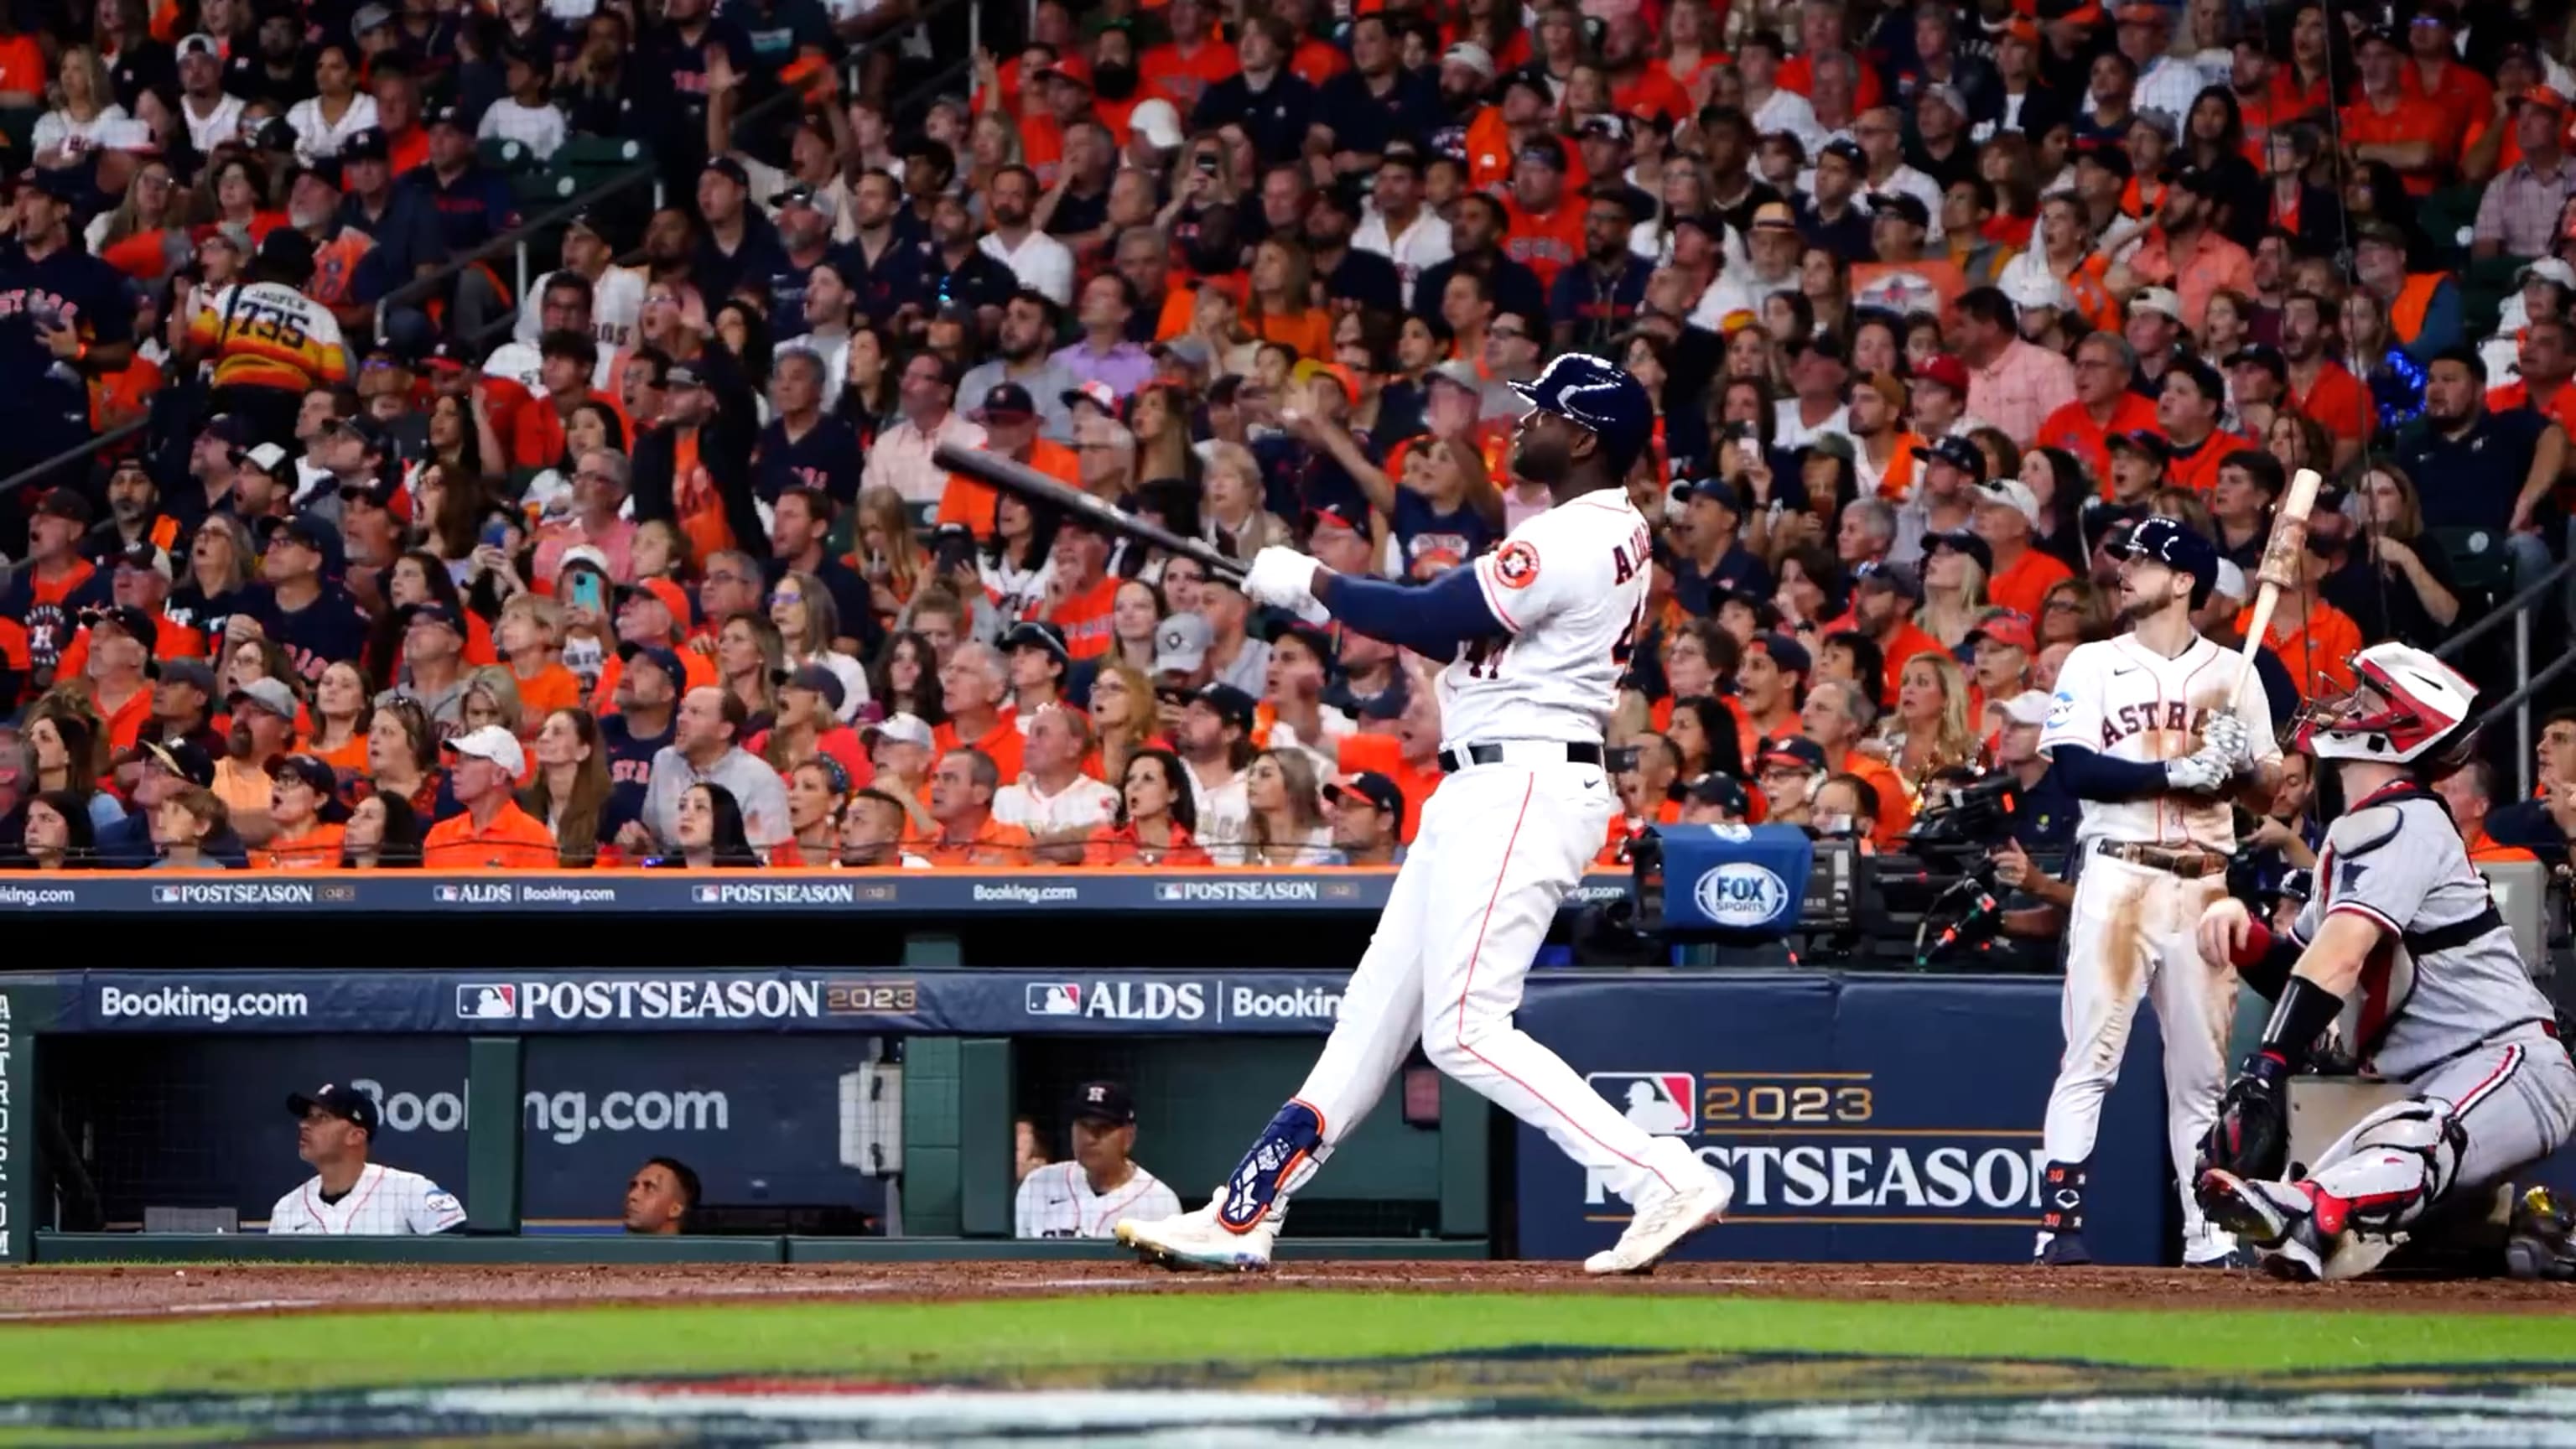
(2541, 1243)
(2403, 1157)
(1286, 1154)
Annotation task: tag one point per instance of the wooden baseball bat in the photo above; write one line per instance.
(2280, 567)
(1032, 486)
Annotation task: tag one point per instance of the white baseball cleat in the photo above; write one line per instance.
(1196, 1239)
(1665, 1220)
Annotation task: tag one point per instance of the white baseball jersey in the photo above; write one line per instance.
(385, 1202)
(1056, 1201)
(1570, 586)
(2122, 700)
(1078, 806)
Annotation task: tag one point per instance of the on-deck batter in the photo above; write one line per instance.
(1538, 633)
(2401, 950)
(2142, 731)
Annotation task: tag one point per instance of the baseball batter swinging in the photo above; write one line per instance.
(1537, 632)
(2143, 731)
(2401, 952)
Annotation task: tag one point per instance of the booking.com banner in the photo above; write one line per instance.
(935, 1002)
(760, 1119)
(1861, 1119)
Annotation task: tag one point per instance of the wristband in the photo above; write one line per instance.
(2304, 1012)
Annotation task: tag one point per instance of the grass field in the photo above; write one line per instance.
(931, 1340)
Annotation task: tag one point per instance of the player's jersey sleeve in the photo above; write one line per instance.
(1546, 565)
(429, 1208)
(2386, 860)
(288, 1218)
(2075, 711)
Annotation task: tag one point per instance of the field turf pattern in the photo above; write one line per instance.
(83, 1352)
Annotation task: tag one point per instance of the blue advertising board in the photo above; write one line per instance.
(201, 1121)
(1860, 1118)
(786, 1000)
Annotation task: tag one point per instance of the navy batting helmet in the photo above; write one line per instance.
(2174, 545)
(1592, 393)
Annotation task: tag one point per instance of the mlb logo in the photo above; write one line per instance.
(488, 1001)
(705, 895)
(1663, 1103)
(165, 895)
(1055, 998)
(446, 895)
(1168, 891)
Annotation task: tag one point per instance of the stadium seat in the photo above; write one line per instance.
(538, 190)
(2479, 562)
(505, 155)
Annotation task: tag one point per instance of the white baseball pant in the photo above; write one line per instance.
(2130, 935)
(1499, 847)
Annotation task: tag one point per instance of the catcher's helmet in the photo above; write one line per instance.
(2405, 708)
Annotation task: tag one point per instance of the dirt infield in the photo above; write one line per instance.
(67, 1294)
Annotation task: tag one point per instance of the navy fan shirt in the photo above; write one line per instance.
(71, 285)
(827, 457)
(325, 632)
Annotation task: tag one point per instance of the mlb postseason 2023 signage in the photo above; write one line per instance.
(1861, 1118)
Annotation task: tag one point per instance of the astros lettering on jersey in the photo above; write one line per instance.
(384, 1202)
(2123, 701)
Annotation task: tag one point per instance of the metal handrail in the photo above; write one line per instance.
(2508, 610)
(87, 446)
(514, 240)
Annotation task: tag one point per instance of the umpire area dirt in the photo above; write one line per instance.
(71, 1293)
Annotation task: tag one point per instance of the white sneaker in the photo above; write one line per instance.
(1665, 1220)
(1197, 1240)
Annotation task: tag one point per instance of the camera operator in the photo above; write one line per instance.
(2044, 822)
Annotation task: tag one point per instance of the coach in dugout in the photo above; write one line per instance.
(1087, 1195)
(660, 1197)
(348, 1196)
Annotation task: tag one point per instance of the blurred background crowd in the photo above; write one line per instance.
(500, 436)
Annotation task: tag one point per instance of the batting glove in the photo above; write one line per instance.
(1281, 578)
(2198, 774)
(2225, 735)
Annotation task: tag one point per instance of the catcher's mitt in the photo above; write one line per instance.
(2251, 1137)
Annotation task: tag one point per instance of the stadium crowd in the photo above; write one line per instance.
(651, 565)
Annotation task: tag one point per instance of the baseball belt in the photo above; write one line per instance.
(2189, 864)
(1536, 752)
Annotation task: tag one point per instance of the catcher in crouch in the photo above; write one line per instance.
(2400, 950)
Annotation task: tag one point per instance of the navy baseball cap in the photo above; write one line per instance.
(1369, 786)
(1797, 751)
(1959, 453)
(1721, 791)
(1591, 393)
(663, 659)
(2167, 541)
(1961, 541)
(1230, 703)
(1037, 634)
(1787, 653)
(347, 1103)
(1102, 1102)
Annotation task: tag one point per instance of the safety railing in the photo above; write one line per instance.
(515, 241)
(2517, 612)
